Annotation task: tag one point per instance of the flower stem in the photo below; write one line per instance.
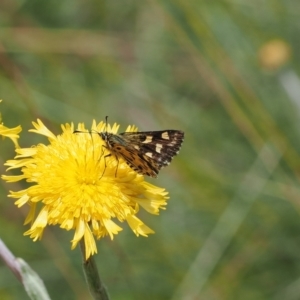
(96, 287)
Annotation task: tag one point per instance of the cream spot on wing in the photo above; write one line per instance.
(158, 148)
(165, 135)
(149, 154)
(148, 139)
(136, 147)
(172, 143)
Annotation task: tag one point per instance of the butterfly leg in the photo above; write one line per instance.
(117, 166)
(104, 159)
(108, 155)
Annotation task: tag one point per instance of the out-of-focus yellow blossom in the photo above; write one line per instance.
(11, 133)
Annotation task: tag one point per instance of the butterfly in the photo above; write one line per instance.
(145, 152)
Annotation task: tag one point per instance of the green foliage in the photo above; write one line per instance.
(231, 228)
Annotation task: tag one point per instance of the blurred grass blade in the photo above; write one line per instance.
(228, 224)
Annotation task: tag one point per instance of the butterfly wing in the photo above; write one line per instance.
(148, 152)
(139, 162)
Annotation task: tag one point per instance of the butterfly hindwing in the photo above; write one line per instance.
(139, 162)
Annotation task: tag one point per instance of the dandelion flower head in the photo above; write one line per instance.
(75, 184)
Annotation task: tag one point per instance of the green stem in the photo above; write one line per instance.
(96, 287)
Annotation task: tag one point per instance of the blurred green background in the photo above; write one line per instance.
(226, 73)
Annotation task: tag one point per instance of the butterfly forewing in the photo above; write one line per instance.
(145, 152)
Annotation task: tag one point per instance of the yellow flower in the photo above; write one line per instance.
(11, 133)
(80, 187)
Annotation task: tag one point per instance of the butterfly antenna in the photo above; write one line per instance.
(106, 117)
